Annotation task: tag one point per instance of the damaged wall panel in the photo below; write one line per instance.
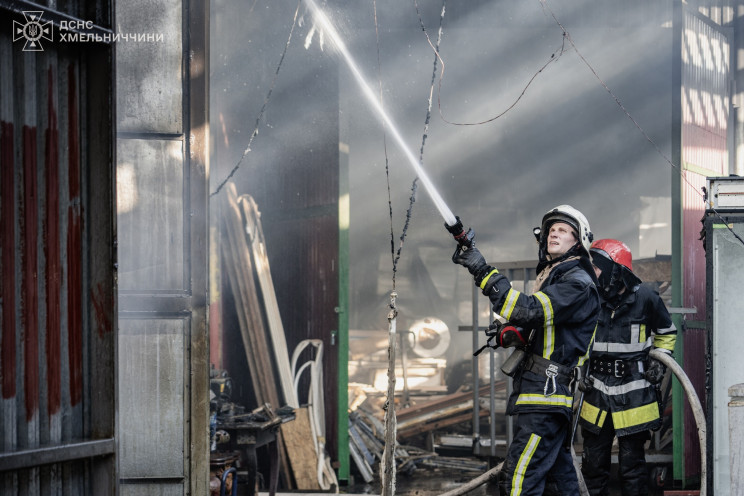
(57, 256)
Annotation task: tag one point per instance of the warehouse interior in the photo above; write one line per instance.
(299, 140)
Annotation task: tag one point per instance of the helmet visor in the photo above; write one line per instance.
(558, 217)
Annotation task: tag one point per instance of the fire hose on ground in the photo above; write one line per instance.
(695, 405)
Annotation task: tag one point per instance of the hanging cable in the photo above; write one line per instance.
(384, 144)
(265, 104)
(553, 57)
(434, 70)
(427, 120)
(414, 184)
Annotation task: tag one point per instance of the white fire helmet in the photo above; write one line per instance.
(572, 217)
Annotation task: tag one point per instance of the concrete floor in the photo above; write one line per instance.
(435, 482)
(432, 482)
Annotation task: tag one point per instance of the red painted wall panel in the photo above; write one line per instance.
(52, 273)
(7, 244)
(74, 246)
(29, 282)
(56, 164)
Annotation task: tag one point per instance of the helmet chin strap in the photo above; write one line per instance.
(545, 260)
(569, 253)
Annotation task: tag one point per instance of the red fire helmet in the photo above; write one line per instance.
(616, 250)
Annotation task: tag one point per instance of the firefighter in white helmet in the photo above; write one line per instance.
(552, 331)
(622, 401)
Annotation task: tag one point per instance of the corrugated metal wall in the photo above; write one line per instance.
(57, 294)
(706, 76)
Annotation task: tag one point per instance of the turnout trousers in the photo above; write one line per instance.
(596, 461)
(538, 461)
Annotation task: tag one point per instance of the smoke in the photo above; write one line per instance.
(565, 141)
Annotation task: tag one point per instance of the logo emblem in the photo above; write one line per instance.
(33, 31)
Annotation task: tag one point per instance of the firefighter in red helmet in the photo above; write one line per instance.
(622, 400)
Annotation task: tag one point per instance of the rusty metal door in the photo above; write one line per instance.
(162, 240)
(57, 256)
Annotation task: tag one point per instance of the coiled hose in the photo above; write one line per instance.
(695, 405)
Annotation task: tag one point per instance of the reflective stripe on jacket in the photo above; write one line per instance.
(627, 331)
(563, 314)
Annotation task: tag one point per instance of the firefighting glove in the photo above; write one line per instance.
(472, 259)
(655, 371)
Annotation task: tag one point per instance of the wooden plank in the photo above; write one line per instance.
(445, 401)
(446, 412)
(254, 336)
(254, 230)
(244, 291)
(302, 457)
(438, 424)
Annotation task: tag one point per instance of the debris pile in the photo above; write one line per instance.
(419, 427)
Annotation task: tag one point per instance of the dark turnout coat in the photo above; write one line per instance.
(628, 329)
(563, 316)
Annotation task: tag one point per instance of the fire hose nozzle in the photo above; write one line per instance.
(464, 238)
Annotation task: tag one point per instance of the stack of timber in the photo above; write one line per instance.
(366, 431)
(445, 411)
(253, 229)
(366, 445)
(247, 267)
